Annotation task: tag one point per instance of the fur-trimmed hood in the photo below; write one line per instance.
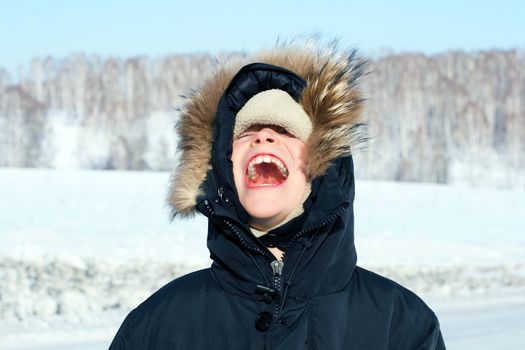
(327, 89)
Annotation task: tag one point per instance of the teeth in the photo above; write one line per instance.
(280, 165)
(265, 159)
(251, 171)
(283, 170)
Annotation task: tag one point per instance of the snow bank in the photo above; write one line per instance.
(77, 289)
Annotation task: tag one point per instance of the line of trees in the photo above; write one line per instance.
(453, 117)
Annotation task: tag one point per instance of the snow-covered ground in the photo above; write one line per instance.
(79, 249)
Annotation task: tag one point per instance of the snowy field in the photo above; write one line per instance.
(80, 249)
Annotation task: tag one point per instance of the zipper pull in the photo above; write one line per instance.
(277, 267)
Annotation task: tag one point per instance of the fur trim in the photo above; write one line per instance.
(331, 98)
(274, 107)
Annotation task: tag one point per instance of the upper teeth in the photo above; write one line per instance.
(265, 159)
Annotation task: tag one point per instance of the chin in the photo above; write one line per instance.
(267, 210)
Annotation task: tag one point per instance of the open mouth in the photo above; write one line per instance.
(265, 170)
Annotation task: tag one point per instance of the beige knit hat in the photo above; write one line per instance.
(274, 107)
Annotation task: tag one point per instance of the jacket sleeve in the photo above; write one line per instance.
(123, 338)
(415, 326)
(434, 340)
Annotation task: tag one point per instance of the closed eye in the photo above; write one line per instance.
(245, 134)
(257, 127)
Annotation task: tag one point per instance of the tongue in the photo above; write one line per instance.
(267, 174)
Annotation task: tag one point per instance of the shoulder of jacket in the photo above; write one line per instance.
(142, 322)
(178, 288)
(400, 298)
(407, 312)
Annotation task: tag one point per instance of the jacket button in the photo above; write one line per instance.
(263, 321)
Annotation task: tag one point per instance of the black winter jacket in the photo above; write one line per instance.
(316, 299)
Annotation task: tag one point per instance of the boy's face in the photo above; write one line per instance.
(269, 174)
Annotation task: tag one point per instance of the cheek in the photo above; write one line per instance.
(297, 149)
(236, 159)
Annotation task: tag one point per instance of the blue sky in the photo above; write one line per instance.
(156, 28)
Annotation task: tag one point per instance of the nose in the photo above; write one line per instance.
(265, 135)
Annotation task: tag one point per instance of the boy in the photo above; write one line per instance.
(266, 156)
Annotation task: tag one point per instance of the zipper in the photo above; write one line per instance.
(277, 268)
